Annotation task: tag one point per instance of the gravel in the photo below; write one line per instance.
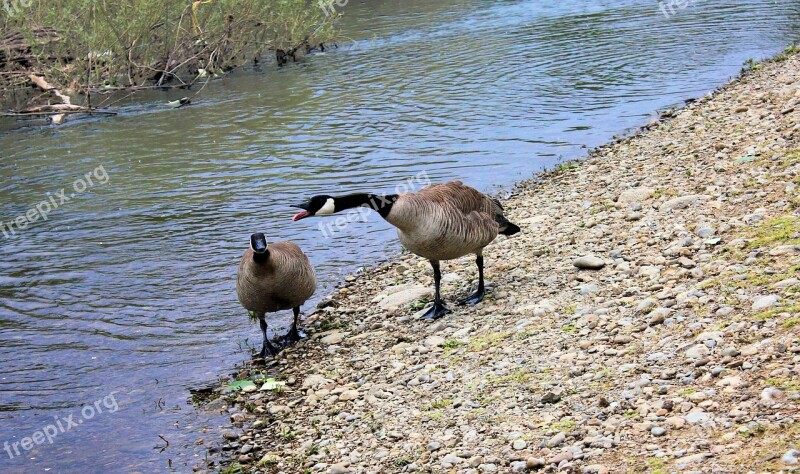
(657, 358)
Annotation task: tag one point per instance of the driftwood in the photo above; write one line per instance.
(65, 105)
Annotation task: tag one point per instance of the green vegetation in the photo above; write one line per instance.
(437, 404)
(490, 340)
(784, 383)
(655, 466)
(90, 44)
(771, 313)
(751, 65)
(781, 230)
(452, 344)
(570, 165)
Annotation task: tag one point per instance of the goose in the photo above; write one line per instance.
(272, 278)
(440, 222)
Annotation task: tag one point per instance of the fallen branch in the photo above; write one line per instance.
(25, 113)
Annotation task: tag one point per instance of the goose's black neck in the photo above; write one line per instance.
(380, 203)
(261, 257)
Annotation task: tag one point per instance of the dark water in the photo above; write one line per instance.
(126, 290)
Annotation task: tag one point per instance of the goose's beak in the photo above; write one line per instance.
(302, 214)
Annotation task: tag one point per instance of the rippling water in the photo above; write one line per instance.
(128, 286)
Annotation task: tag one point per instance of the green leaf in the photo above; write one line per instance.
(272, 384)
(240, 384)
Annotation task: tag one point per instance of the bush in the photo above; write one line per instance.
(125, 43)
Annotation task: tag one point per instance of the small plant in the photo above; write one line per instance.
(403, 461)
(569, 328)
(452, 344)
(287, 435)
(312, 450)
(437, 404)
(570, 165)
(655, 465)
(751, 65)
(234, 468)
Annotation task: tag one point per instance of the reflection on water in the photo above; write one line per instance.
(128, 286)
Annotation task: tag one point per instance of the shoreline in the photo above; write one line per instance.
(677, 354)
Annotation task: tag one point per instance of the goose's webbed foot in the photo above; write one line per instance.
(435, 312)
(268, 350)
(292, 336)
(476, 298)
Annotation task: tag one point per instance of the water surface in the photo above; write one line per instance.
(127, 288)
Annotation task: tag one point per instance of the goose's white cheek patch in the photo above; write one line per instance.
(327, 209)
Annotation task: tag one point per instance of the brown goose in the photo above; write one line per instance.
(440, 222)
(273, 278)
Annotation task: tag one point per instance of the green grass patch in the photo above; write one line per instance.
(771, 313)
(482, 343)
(780, 230)
(569, 328)
(452, 344)
(656, 466)
(439, 404)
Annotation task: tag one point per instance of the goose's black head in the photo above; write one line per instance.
(258, 242)
(322, 205)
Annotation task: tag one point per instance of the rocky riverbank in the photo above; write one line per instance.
(645, 320)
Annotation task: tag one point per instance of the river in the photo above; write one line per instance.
(123, 298)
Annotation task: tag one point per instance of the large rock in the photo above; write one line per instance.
(684, 202)
(589, 262)
(635, 195)
(403, 297)
(765, 302)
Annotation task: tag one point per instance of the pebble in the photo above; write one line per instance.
(519, 444)
(790, 457)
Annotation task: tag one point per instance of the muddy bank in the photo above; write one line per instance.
(645, 319)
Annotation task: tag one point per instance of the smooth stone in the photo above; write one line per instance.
(698, 351)
(402, 298)
(683, 202)
(790, 457)
(589, 262)
(334, 338)
(764, 302)
(696, 417)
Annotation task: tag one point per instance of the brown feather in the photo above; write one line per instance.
(284, 280)
(446, 221)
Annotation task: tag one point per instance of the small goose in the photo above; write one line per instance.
(440, 222)
(273, 278)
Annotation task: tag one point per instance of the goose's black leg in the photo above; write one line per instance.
(266, 348)
(478, 295)
(294, 334)
(438, 309)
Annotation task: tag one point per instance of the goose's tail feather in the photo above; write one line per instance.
(506, 226)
